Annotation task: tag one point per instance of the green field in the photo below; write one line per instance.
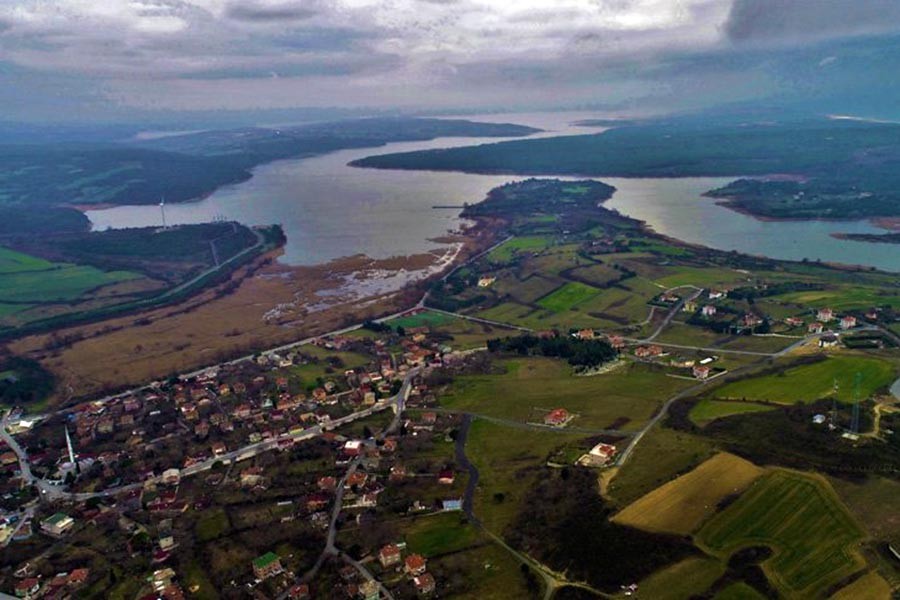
(739, 591)
(813, 538)
(685, 579)
(532, 386)
(507, 251)
(443, 533)
(843, 297)
(811, 382)
(15, 262)
(568, 297)
(60, 283)
(423, 319)
(708, 410)
(508, 461)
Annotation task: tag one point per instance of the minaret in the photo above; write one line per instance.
(71, 452)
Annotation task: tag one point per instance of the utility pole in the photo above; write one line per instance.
(162, 209)
(854, 422)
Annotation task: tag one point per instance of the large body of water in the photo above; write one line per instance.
(329, 210)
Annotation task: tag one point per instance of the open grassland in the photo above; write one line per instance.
(507, 251)
(696, 276)
(873, 501)
(17, 262)
(810, 382)
(530, 387)
(843, 297)
(683, 504)
(426, 318)
(707, 409)
(508, 461)
(739, 591)
(813, 537)
(868, 587)
(568, 297)
(438, 534)
(662, 455)
(63, 282)
(596, 274)
(526, 290)
(491, 573)
(686, 579)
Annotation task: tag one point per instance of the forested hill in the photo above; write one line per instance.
(182, 167)
(849, 169)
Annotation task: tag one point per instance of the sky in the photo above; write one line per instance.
(111, 59)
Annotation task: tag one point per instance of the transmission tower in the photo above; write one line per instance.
(834, 408)
(854, 422)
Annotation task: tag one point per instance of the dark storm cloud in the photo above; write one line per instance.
(798, 20)
(254, 12)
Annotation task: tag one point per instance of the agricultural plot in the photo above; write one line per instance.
(532, 386)
(568, 297)
(711, 277)
(526, 290)
(16, 262)
(507, 251)
(686, 579)
(813, 538)
(814, 381)
(843, 297)
(709, 410)
(61, 283)
(508, 461)
(426, 318)
(868, 587)
(596, 274)
(683, 504)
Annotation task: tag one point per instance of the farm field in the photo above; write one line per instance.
(426, 318)
(682, 505)
(530, 387)
(59, 282)
(508, 250)
(843, 297)
(709, 410)
(662, 455)
(433, 535)
(700, 277)
(813, 537)
(685, 579)
(508, 461)
(811, 382)
(568, 297)
(739, 591)
(868, 587)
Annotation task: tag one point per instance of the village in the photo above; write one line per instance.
(324, 446)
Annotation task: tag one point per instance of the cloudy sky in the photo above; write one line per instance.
(90, 58)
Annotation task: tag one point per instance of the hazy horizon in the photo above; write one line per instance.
(249, 61)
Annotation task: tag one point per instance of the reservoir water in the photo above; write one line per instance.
(329, 210)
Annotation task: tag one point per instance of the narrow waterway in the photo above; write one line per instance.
(329, 210)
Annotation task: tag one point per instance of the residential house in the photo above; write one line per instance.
(415, 564)
(556, 417)
(708, 311)
(446, 477)
(701, 372)
(815, 327)
(58, 524)
(424, 583)
(389, 555)
(825, 314)
(848, 322)
(266, 566)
